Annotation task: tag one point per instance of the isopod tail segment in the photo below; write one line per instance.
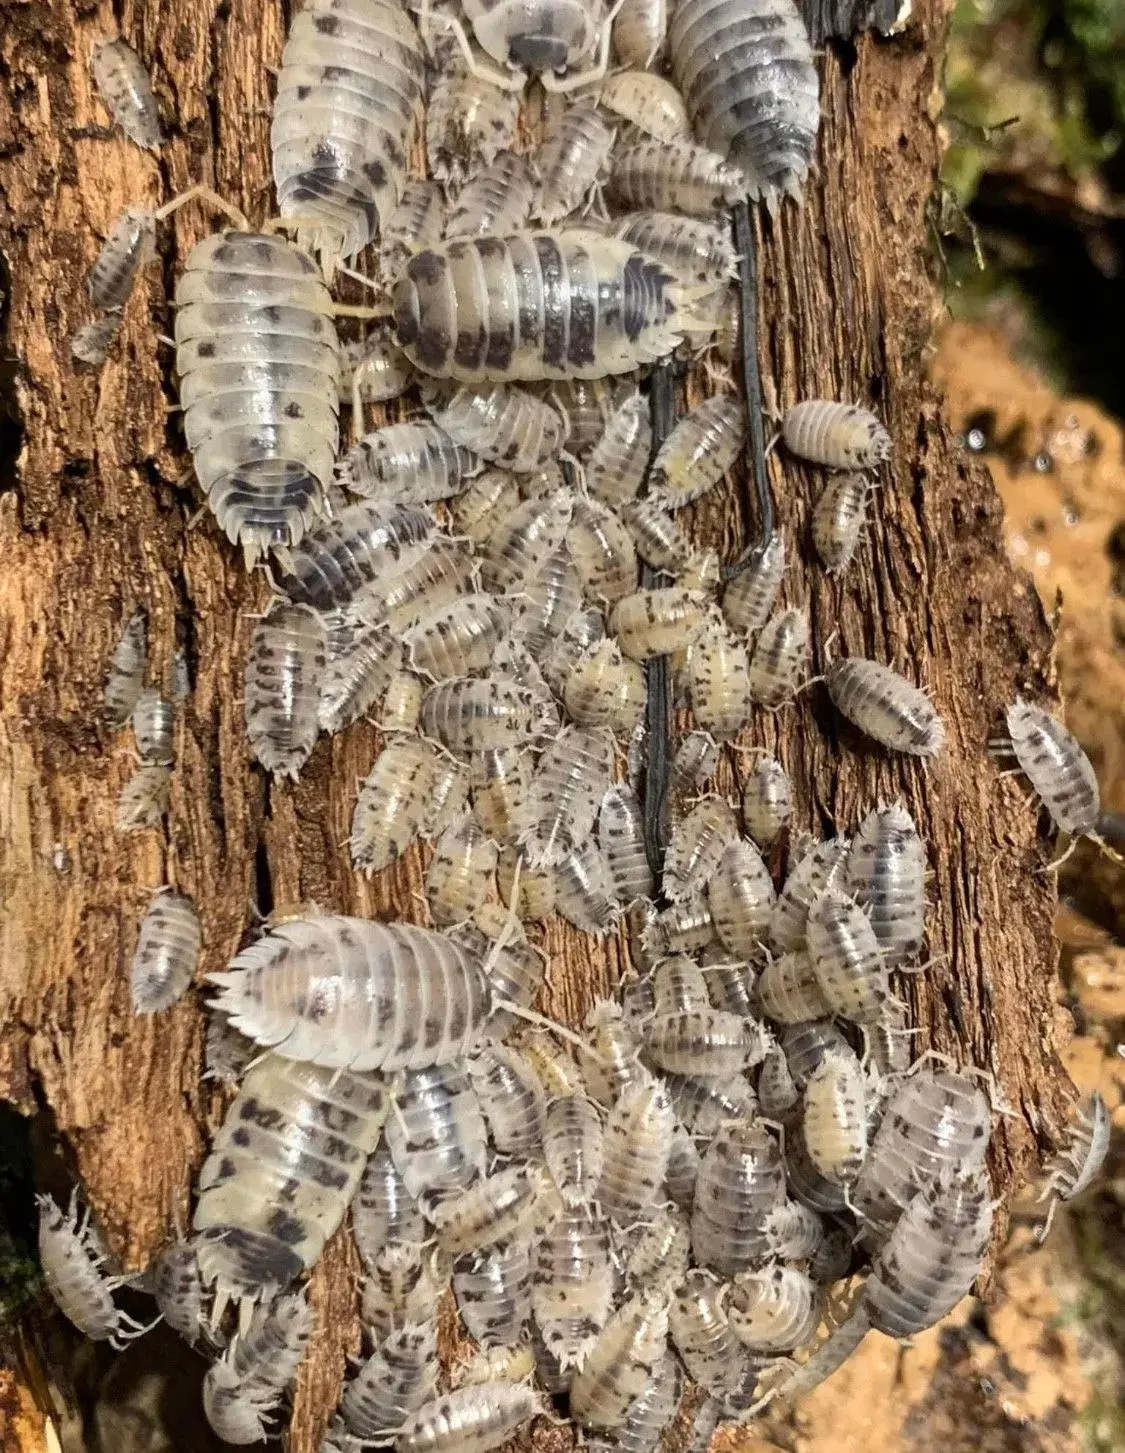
(757, 482)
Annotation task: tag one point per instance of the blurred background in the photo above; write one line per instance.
(1029, 248)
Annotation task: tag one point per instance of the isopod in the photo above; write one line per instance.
(143, 801)
(437, 575)
(797, 1233)
(719, 681)
(1082, 1155)
(373, 370)
(584, 892)
(745, 69)
(91, 343)
(621, 1363)
(658, 622)
(703, 1338)
(885, 706)
(460, 871)
(499, 1208)
(570, 160)
(226, 1053)
(701, 448)
(847, 958)
(840, 436)
(392, 1383)
(535, 897)
(574, 1147)
(695, 761)
(512, 1099)
(696, 251)
(392, 804)
(572, 775)
(767, 801)
(259, 365)
(603, 551)
(1056, 766)
(167, 952)
(384, 1213)
(153, 727)
(127, 666)
(886, 870)
(680, 928)
(493, 1292)
(583, 308)
(621, 835)
(703, 1104)
(605, 689)
(648, 102)
(456, 639)
(656, 534)
(741, 897)
(269, 1350)
(777, 1093)
(837, 522)
(349, 94)
(741, 1180)
(789, 989)
(473, 715)
(361, 662)
(126, 90)
(473, 1419)
(616, 1044)
(73, 1261)
(500, 784)
(814, 871)
(749, 597)
(405, 1285)
(658, 1258)
(648, 1415)
(835, 1117)
(618, 462)
(129, 247)
(178, 1289)
(469, 122)
(526, 538)
(342, 556)
(574, 1283)
(416, 222)
(503, 423)
(282, 1169)
(351, 993)
(490, 498)
(638, 1141)
(683, 1169)
(662, 176)
(780, 659)
(773, 1310)
(437, 1136)
(696, 848)
(407, 464)
(640, 31)
(284, 673)
(237, 1413)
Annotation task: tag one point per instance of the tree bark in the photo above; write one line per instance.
(96, 519)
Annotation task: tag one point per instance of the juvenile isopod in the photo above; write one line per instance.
(473, 1419)
(456, 639)
(352, 993)
(584, 308)
(695, 761)
(74, 1269)
(1081, 1156)
(837, 522)
(638, 1141)
(496, 201)
(153, 728)
(885, 706)
(658, 1259)
(126, 89)
(749, 598)
(437, 1137)
(282, 1169)
(536, 893)
(789, 989)
(719, 681)
(391, 1384)
(512, 1099)
(849, 963)
(1056, 766)
(407, 464)
(361, 662)
(835, 1117)
(658, 622)
(460, 872)
(284, 673)
(584, 892)
(615, 1064)
(177, 1289)
(777, 1094)
(746, 71)
(773, 1310)
(570, 160)
(226, 1053)
(741, 1180)
(767, 801)
(405, 1285)
(574, 1147)
(621, 835)
(696, 848)
(703, 1338)
(469, 122)
(490, 498)
(527, 537)
(127, 666)
(640, 31)
(373, 370)
(167, 952)
(500, 784)
(780, 659)
(267, 1352)
(129, 247)
(438, 574)
(91, 343)
(704, 1103)
(797, 1233)
(840, 436)
(813, 871)
(648, 102)
(617, 464)
(259, 366)
(392, 804)
(886, 870)
(349, 94)
(603, 551)
(680, 928)
(237, 1413)
(143, 801)
(656, 534)
(621, 1362)
(661, 176)
(696, 251)
(384, 1213)
(498, 1208)
(701, 448)
(493, 1292)
(574, 1284)
(416, 222)
(503, 423)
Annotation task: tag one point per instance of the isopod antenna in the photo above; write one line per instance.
(757, 501)
(658, 702)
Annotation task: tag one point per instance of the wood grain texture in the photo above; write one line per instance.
(95, 519)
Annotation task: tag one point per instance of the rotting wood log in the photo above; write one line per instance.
(96, 518)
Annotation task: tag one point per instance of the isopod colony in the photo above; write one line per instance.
(731, 1171)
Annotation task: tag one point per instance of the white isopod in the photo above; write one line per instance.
(885, 706)
(154, 723)
(840, 436)
(74, 1261)
(127, 666)
(126, 89)
(1056, 766)
(167, 952)
(503, 423)
(284, 674)
(129, 247)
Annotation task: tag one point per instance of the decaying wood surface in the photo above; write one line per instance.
(96, 519)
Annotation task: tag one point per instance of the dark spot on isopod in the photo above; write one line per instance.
(425, 267)
(294, 410)
(241, 1136)
(376, 173)
(327, 24)
(205, 349)
(303, 93)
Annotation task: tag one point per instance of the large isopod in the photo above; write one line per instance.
(259, 365)
(745, 68)
(282, 1170)
(284, 674)
(535, 305)
(886, 870)
(885, 706)
(349, 94)
(354, 994)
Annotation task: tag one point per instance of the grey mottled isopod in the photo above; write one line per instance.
(499, 1208)
(351, 993)
(841, 436)
(749, 598)
(818, 866)
(237, 1413)
(746, 71)
(457, 638)
(703, 1338)
(392, 803)
(847, 958)
(127, 666)
(886, 870)
(129, 247)
(584, 307)
(349, 94)
(437, 1136)
(524, 539)
(1073, 1167)
(584, 892)
(154, 724)
(282, 1169)
(535, 896)
(569, 161)
(574, 1147)
(384, 1212)
(638, 1141)
(885, 706)
(789, 989)
(648, 102)
(493, 1292)
(73, 1261)
(773, 1310)
(617, 463)
(167, 952)
(838, 518)
(91, 343)
(780, 659)
(680, 928)
(407, 464)
(362, 543)
(495, 202)
(658, 622)
(719, 680)
(696, 251)
(284, 673)
(502, 423)
(679, 176)
(656, 534)
(126, 89)
(648, 1415)
(226, 1053)
(1056, 766)
(500, 782)
(696, 847)
(658, 1258)
(373, 370)
(472, 715)
(574, 1284)
(701, 448)
(703, 1104)
(767, 801)
(741, 896)
(361, 661)
(640, 31)
(259, 366)
(616, 1045)
(741, 1179)
(603, 688)
(710, 1043)
(603, 551)
(143, 801)
(777, 1093)
(621, 835)
(566, 790)
(490, 498)
(621, 1362)
(177, 1288)
(695, 761)
(460, 871)
(405, 1285)
(797, 1233)
(473, 1419)
(512, 1099)
(392, 1383)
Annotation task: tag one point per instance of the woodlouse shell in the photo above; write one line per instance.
(741, 897)
(658, 622)
(701, 448)
(780, 659)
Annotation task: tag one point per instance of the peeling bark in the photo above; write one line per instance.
(96, 519)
